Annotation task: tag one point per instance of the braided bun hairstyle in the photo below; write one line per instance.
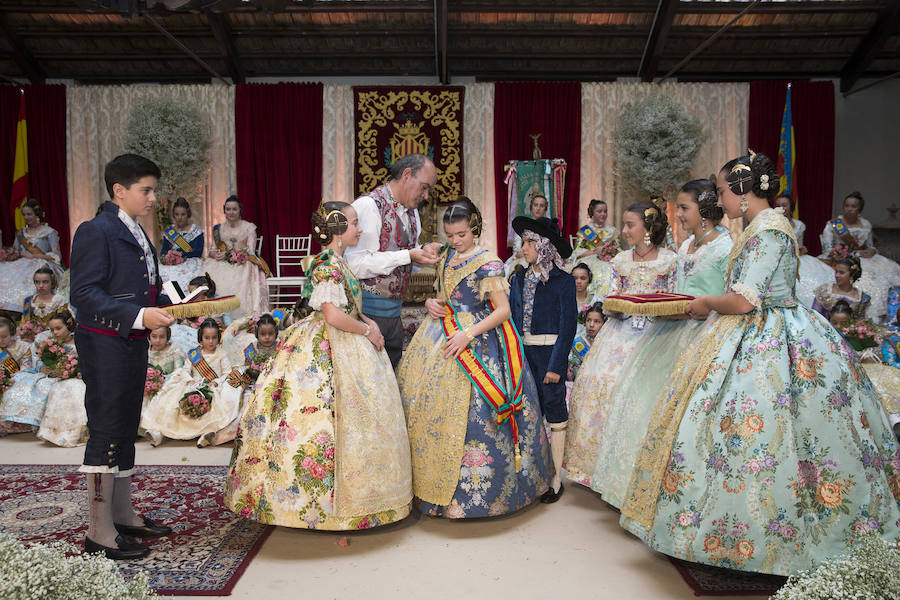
(654, 218)
(593, 206)
(755, 174)
(464, 210)
(703, 191)
(65, 317)
(854, 266)
(329, 221)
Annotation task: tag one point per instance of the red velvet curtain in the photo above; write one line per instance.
(45, 108)
(278, 134)
(813, 116)
(552, 109)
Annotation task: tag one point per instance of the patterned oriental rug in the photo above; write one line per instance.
(707, 580)
(206, 554)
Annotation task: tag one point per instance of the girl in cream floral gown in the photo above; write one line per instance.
(769, 450)
(247, 281)
(648, 267)
(322, 443)
(464, 465)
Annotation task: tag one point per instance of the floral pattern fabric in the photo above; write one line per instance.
(783, 455)
(463, 464)
(322, 441)
(18, 275)
(246, 281)
(599, 376)
(601, 270)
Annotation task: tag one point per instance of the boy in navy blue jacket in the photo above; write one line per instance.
(544, 309)
(114, 284)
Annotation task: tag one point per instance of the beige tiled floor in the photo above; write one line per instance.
(573, 549)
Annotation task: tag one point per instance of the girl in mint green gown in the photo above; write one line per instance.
(770, 450)
(700, 269)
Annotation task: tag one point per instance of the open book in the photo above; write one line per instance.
(177, 296)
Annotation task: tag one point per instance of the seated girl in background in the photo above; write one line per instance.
(64, 422)
(256, 355)
(584, 336)
(182, 241)
(40, 306)
(184, 332)
(24, 403)
(843, 288)
(198, 399)
(15, 356)
(596, 244)
(163, 356)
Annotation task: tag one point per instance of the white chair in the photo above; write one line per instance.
(259, 245)
(573, 239)
(289, 252)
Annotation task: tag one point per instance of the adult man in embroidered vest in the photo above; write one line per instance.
(389, 244)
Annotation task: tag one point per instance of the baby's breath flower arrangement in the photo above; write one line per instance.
(871, 571)
(59, 571)
(656, 143)
(176, 137)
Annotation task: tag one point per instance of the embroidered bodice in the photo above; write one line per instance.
(703, 272)
(643, 277)
(333, 281)
(764, 262)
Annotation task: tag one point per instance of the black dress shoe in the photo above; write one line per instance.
(126, 548)
(148, 530)
(549, 497)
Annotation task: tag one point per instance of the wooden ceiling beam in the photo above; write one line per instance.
(870, 46)
(221, 31)
(440, 41)
(656, 40)
(20, 54)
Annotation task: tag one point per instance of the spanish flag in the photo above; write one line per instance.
(20, 168)
(787, 153)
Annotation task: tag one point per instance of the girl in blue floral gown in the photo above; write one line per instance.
(769, 451)
(468, 459)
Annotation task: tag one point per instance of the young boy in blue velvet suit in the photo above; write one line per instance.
(114, 284)
(544, 309)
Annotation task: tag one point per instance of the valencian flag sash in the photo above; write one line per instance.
(840, 230)
(505, 402)
(237, 379)
(278, 316)
(176, 238)
(8, 363)
(201, 365)
(26, 308)
(250, 352)
(580, 346)
(590, 236)
(256, 260)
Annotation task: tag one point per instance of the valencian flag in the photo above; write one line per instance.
(20, 168)
(787, 153)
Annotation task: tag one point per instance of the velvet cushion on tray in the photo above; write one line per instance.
(656, 304)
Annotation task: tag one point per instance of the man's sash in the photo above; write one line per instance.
(201, 365)
(259, 262)
(504, 402)
(840, 230)
(8, 363)
(176, 238)
(591, 239)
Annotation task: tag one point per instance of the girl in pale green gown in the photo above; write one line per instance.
(700, 269)
(769, 450)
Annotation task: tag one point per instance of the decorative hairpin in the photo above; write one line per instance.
(649, 212)
(763, 182)
(327, 215)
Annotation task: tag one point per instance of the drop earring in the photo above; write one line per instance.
(744, 204)
(647, 241)
(703, 223)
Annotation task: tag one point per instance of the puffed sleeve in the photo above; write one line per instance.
(492, 279)
(760, 259)
(328, 286)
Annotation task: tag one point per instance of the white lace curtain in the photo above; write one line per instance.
(97, 118)
(721, 107)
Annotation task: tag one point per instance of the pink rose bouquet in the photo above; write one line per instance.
(62, 365)
(236, 256)
(155, 380)
(29, 329)
(861, 334)
(171, 258)
(9, 254)
(840, 252)
(608, 250)
(196, 403)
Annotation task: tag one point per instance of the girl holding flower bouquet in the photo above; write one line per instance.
(322, 442)
(64, 422)
(25, 401)
(181, 252)
(198, 399)
(234, 265)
